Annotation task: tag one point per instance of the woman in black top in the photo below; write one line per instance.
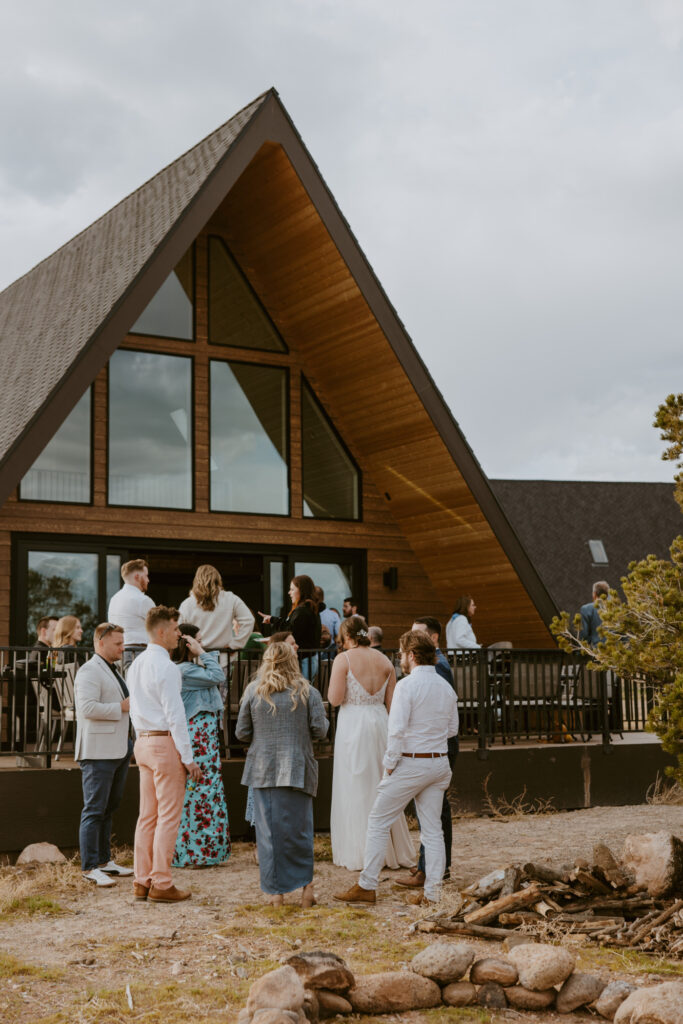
(303, 621)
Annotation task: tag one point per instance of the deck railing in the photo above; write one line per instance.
(504, 696)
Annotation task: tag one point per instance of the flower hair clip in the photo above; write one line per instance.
(362, 632)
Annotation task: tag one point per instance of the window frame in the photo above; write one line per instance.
(288, 424)
(193, 457)
(305, 385)
(91, 442)
(171, 337)
(223, 344)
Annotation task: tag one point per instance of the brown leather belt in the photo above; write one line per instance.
(424, 755)
(155, 732)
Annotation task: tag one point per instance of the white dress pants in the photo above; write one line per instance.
(424, 780)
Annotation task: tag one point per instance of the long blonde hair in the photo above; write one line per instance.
(64, 630)
(279, 672)
(206, 587)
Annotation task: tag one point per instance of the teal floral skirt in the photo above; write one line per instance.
(204, 834)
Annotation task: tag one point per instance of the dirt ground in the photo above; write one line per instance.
(70, 952)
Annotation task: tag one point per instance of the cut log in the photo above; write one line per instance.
(511, 880)
(643, 929)
(594, 884)
(458, 928)
(512, 902)
(519, 917)
(628, 905)
(609, 868)
(544, 873)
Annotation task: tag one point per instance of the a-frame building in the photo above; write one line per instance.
(212, 372)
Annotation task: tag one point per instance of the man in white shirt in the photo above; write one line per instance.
(424, 713)
(163, 752)
(129, 607)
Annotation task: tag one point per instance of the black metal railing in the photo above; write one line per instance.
(504, 696)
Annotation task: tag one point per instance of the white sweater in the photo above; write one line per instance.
(216, 626)
(459, 633)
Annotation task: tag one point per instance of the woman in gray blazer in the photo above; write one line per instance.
(279, 717)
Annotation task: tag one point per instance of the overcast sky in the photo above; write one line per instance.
(513, 170)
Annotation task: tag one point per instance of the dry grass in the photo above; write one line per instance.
(665, 792)
(502, 809)
(36, 890)
(629, 961)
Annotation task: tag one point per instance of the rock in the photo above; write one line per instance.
(492, 995)
(526, 999)
(311, 1005)
(658, 1004)
(612, 996)
(41, 853)
(244, 1017)
(443, 961)
(656, 860)
(281, 989)
(606, 864)
(271, 1015)
(321, 970)
(393, 992)
(493, 970)
(459, 993)
(331, 1003)
(177, 969)
(542, 966)
(578, 990)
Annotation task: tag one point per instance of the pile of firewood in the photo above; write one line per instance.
(601, 901)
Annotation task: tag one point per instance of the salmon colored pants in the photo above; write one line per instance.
(162, 792)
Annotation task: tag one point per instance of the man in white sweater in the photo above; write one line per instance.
(129, 606)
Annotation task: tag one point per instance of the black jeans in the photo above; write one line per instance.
(103, 784)
(446, 815)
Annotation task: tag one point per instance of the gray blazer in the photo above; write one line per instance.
(281, 751)
(101, 726)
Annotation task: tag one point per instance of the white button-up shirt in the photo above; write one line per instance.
(154, 682)
(424, 713)
(128, 608)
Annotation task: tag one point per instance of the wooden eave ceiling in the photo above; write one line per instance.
(278, 237)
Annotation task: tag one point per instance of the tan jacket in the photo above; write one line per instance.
(101, 727)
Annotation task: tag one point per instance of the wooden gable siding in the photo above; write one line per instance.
(285, 250)
(378, 534)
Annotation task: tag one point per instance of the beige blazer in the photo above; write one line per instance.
(101, 727)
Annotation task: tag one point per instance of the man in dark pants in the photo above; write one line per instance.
(432, 627)
(103, 748)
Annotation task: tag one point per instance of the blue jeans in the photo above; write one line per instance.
(103, 784)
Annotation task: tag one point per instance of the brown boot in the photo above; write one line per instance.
(356, 895)
(170, 895)
(140, 891)
(411, 881)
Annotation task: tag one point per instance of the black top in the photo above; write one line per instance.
(303, 623)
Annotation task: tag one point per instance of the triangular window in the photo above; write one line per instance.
(236, 316)
(170, 314)
(331, 479)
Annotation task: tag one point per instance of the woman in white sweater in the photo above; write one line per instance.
(223, 618)
(459, 632)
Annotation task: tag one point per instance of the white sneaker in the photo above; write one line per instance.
(112, 868)
(98, 877)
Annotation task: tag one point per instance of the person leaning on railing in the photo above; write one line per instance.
(216, 611)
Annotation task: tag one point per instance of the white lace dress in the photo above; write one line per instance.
(359, 747)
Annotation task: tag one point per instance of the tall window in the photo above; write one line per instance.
(62, 583)
(330, 477)
(249, 412)
(62, 470)
(170, 314)
(236, 317)
(150, 430)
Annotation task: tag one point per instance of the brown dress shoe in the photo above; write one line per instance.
(140, 891)
(170, 895)
(411, 881)
(356, 895)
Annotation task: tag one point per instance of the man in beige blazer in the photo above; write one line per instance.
(103, 748)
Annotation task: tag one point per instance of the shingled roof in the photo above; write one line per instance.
(556, 519)
(53, 317)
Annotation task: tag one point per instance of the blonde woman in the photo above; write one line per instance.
(279, 717)
(68, 634)
(216, 612)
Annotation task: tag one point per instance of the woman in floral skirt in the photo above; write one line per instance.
(204, 834)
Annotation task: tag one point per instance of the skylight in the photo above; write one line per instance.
(598, 553)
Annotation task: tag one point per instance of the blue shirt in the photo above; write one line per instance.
(200, 684)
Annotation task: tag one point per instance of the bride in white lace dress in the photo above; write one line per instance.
(362, 682)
